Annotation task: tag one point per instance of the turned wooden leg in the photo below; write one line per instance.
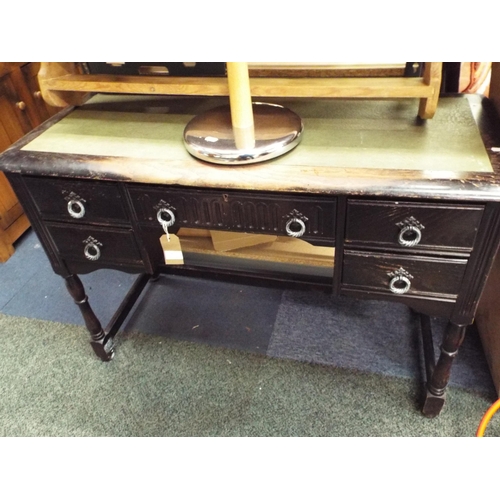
(440, 374)
(102, 344)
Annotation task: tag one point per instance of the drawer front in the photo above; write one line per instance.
(95, 245)
(417, 226)
(283, 215)
(392, 274)
(68, 200)
(189, 208)
(300, 216)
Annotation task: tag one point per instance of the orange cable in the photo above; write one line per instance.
(487, 417)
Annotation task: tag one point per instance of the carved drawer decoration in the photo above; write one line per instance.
(189, 209)
(311, 218)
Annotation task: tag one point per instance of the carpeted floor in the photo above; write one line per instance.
(238, 360)
(51, 386)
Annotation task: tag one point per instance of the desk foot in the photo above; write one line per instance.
(104, 350)
(432, 404)
(100, 342)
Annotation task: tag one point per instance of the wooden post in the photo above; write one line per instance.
(432, 77)
(240, 101)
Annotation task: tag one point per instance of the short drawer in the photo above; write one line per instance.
(310, 218)
(81, 201)
(94, 244)
(399, 275)
(408, 225)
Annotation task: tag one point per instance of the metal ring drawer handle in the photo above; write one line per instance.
(398, 289)
(409, 230)
(295, 234)
(162, 221)
(92, 251)
(76, 209)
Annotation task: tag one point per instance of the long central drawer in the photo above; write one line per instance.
(314, 217)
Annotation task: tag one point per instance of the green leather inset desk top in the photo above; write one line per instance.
(368, 134)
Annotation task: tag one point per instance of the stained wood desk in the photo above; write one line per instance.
(412, 208)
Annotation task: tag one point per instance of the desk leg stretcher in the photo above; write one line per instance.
(127, 304)
(437, 374)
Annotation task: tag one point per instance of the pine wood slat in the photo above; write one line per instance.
(260, 87)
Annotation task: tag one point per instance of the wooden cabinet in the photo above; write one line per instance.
(21, 109)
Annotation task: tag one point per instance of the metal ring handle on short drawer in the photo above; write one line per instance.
(295, 234)
(405, 232)
(92, 251)
(163, 222)
(76, 214)
(399, 290)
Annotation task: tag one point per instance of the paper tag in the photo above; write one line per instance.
(172, 251)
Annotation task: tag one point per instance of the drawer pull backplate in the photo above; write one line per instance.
(295, 218)
(411, 232)
(165, 217)
(400, 281)
(92, 250)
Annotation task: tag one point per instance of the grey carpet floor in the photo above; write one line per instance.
(51, 386)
